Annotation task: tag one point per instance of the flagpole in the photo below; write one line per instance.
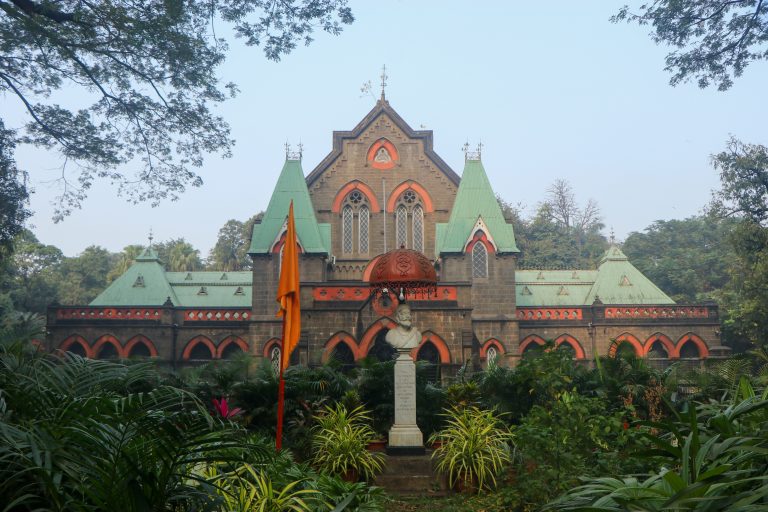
(281, 395)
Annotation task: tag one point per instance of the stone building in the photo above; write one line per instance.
(383, 187)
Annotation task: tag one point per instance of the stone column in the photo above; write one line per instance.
(405, 436)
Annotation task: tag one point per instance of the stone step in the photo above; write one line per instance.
(411, 475)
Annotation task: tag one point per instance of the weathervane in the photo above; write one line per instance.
(150, 238)
(383, 81)
(613, 236)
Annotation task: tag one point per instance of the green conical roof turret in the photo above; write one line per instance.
(619, 282)
(291, 185)
(476, 205)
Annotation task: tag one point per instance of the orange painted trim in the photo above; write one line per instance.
(491, 342)
(269, 345)
(573, 342)
(77, 339)
(696, 340)
(625, 338)
(229, 340)
(349, 187)
(103, 340)
(393, 155)
(135, 341)
(425, 197)
(361, 293)
(281, 242)
(370, 335)
(341, 337)
(531, 338)
(438, 342)
(669, 346)
(543, 314)
(369, 269)
(196, 341)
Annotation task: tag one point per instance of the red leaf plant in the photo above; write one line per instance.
(223, 410)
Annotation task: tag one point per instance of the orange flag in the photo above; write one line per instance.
(288, 293)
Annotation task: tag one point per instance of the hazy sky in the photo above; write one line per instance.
(552, 92)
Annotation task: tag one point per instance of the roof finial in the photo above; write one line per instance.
(383, 81)
(471, 155)
(290, 154)
(150, 238)
(612, 237)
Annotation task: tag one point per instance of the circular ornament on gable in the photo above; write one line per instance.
(382, 155)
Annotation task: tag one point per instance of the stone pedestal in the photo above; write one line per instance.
(405, 436)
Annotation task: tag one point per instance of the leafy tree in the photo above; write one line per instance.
(13, 194)
(561, 234)
(124, 261)
(147, 74)
(29, 277)
(689, 259)
(83, 277)
(713, 40)
(744, 182)
(179, 255)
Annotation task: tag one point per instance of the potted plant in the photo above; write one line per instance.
(473, 448)
(339, 443)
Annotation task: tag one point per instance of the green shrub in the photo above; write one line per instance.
(339, 443)
(474, 447)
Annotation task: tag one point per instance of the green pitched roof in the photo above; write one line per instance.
(554, 287)
(291, 185)
(475, 202)
(186, 289)
(619, 282)
(143, 284)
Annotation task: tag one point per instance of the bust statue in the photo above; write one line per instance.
(404, 336)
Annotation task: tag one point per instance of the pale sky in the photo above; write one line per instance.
(552, 92)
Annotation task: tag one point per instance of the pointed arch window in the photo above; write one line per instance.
(364, 218)
(479, 260)
(347, 219)
(401, 226)
(418, 228)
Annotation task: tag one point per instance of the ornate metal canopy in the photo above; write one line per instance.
(403, 271)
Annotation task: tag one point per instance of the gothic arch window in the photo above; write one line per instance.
(418, 228)
(479, 260)
(401, 226)
(355, 219)
(347, 219)
(409, 221)
(274, 359)
(364, 217)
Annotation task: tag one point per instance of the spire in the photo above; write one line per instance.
(291, 185)
(475, 207)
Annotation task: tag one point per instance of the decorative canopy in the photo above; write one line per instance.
(404, 271)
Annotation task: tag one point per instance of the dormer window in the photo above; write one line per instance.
(139, 283)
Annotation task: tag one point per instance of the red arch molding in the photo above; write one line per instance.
(341, 337)
(573, 342)
(140, 338)
(370, 335)
(103, 340)
(480, 236)
(531, 338)
(438, 342)
(491, 342)
(703, 349)
(76, 338)
(229, 340)
(625, 338)
(349, 187)
(196, 341)
(425, 197)
(665, 341)
(271, 342)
